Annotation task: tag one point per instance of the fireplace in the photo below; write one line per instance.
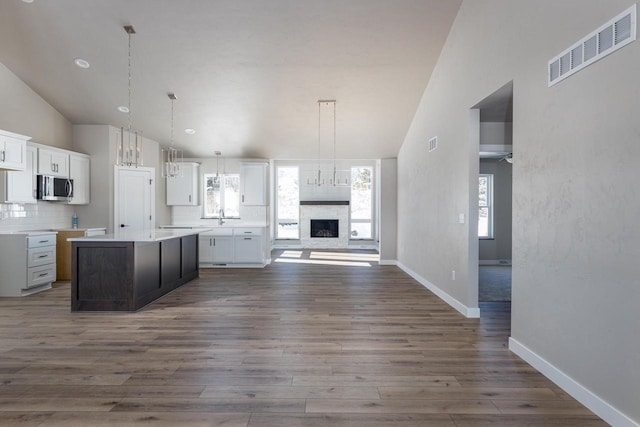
(324, 228)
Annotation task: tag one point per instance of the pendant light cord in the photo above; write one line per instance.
(129, 104)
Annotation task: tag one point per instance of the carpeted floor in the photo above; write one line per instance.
(494, 283)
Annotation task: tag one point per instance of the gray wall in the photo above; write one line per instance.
(498, 248)
(388, 209)
(576, 201)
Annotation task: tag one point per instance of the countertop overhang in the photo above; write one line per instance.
(140, 236)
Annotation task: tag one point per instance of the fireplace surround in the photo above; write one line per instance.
(335, 211)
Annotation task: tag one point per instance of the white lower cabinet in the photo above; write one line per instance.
(230, 246)
(248, 245)
(216, 247)
(28, 263)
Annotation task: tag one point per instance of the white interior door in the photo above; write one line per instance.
(134, 199)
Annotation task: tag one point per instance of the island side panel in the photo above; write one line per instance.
(189, 258)
(171, 261)
(147, 267)
(102, 276)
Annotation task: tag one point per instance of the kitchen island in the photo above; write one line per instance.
(126, 271)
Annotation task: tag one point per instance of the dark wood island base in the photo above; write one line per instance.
(111, 273)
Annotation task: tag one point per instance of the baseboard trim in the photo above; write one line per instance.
(470, 312)
(582, 394)
(388, 262)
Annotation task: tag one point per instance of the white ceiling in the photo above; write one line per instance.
(247, 73)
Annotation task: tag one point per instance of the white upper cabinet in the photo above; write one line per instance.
(13, 151)
(80, 173)
(183, 190)
(19, 186)
(253, 184)
(53, 162)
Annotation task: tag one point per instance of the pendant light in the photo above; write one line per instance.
(340, 178)
(129, 143)
(171, 157)
(216, 179)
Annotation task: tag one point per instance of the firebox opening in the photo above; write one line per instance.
(324, 228)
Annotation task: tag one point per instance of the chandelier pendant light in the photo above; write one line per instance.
(171, 157)
(129, 142)
(337, 177)
(340, 178)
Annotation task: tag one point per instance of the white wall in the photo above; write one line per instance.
(23, 111)
(99, 141)
(193, 215)
(576, 201)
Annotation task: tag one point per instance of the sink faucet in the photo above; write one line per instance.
(221, 217)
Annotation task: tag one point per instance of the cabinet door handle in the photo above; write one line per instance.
(43, 274)
(248, 238)
(210, 241)
(43, 256)
(3, 156)
(189, 198)
(243, 198)
(247, 232)
(214, 242)
(43, 241)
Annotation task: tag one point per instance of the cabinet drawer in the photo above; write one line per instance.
(41, 240)
(248, 231)
(218, 232)
(41, 256)
(39, 275)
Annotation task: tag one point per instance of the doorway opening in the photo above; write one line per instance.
(495, 167)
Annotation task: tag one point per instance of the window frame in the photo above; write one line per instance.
(223, 177)
(277, 193)
(489, 207)
(372, 219)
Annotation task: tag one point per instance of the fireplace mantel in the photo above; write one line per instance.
(324, 203)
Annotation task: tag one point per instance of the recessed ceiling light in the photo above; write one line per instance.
(123, 109)
(27, 1)
(82, 63)
(189, 131)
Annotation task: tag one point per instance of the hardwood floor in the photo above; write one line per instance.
(299, 343)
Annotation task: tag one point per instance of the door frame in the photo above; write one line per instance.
(116, 199)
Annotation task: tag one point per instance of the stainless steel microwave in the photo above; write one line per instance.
(53, 188)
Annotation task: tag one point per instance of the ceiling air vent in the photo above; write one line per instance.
(613, 35)
(433, 143)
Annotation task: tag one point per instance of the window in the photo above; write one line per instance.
(485, 202)
(288, 203)
(222, 192)
(361, 202)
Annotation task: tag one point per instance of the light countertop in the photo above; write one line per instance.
(215, 225)
(139, 236)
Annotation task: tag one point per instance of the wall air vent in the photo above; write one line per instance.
(613, 35)
(433, 143)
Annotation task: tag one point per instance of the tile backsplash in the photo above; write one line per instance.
(41, 215)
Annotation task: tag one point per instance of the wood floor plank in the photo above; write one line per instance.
(350, 420)
(545, 420)
(210, 405)
(155, 419)
(456, 406)
(287, 345)
(293, 392)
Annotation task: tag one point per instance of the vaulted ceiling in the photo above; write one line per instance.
(247, 73)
